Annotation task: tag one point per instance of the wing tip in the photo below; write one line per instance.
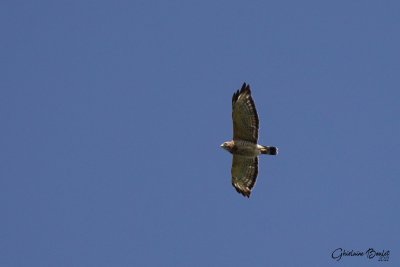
(246, 192)
(244, 90)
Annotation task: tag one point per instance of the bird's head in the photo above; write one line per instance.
(227, 146)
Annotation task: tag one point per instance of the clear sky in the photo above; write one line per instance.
(112, 113)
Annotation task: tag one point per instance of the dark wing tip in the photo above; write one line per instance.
(235, 97)
(244, 90)
(245, 193)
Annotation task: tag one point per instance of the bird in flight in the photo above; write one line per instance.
(244, 146)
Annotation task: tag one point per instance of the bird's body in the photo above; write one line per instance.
(247, 148)
(244, 146)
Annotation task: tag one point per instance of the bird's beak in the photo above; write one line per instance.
(222, 145)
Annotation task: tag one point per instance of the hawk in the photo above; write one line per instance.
(244, 146)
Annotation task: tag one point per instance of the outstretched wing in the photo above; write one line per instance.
(244, 173)
(244, 115)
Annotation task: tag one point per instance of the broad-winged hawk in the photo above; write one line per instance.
(244, 146)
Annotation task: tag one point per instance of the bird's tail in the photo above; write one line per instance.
(269, 150)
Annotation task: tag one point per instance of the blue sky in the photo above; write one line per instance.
(112, 113)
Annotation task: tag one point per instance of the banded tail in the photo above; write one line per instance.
(269, 150)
